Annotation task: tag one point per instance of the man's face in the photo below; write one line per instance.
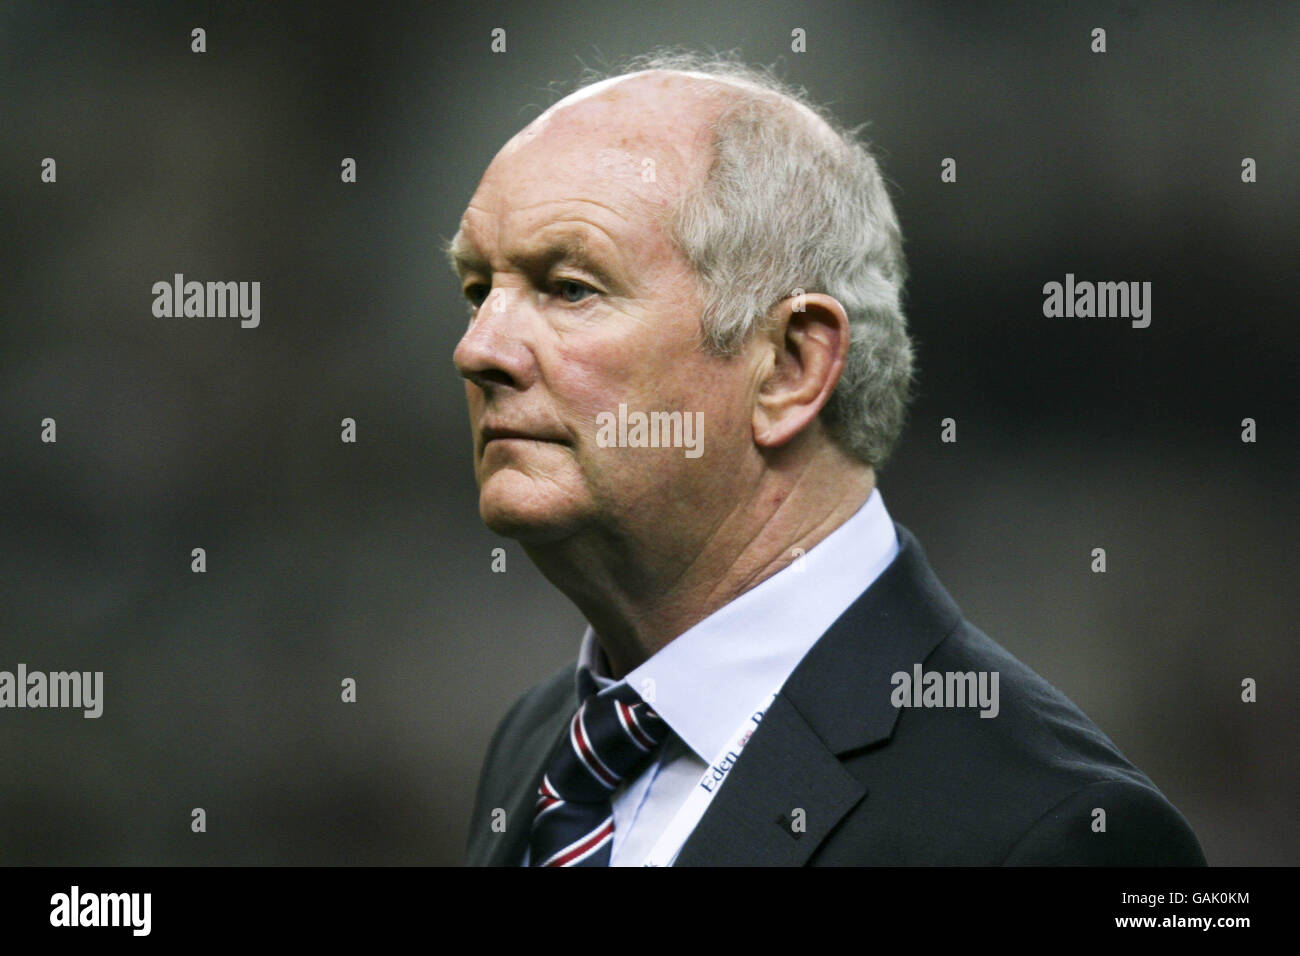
(583, 304)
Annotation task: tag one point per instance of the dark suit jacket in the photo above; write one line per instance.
(880, 784)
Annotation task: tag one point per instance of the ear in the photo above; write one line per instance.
(808, 336)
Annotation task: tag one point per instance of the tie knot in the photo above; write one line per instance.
(611, 738)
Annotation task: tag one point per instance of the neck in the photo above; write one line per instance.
(652, 580)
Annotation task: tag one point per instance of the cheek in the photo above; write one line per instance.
(593, 377)
(715, 387)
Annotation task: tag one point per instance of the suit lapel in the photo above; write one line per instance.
(837, 700)
(784, 795)
(546, 738)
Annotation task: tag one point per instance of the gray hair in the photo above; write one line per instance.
(794, 201)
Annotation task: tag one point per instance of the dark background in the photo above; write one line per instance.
(328, 560)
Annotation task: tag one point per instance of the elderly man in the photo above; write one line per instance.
(772, 673)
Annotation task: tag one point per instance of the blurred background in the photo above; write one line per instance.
(328, 560)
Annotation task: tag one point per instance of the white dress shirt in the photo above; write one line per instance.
(708, 681)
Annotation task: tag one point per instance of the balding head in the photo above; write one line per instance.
(652, 128)
(662, 110)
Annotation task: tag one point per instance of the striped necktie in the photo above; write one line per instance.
(612, 738)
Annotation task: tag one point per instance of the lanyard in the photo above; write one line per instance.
(688, 816)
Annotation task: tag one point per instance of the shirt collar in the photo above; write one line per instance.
(711, 678)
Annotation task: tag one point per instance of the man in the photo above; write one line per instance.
(772, 673)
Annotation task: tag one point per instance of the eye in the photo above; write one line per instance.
(476, 292)
(572, 291)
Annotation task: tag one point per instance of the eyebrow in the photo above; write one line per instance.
(461, 254)
(568, 246)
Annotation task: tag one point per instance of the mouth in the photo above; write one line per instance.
(490, 434)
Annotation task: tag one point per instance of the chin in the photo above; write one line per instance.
(516, 505)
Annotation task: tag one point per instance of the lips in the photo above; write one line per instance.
(493, 432)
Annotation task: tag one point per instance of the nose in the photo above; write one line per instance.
(493, 351)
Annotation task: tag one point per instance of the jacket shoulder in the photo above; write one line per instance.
(534, 707)
(1021, 785)
(1109, 823)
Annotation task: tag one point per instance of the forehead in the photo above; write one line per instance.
(612, 163)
